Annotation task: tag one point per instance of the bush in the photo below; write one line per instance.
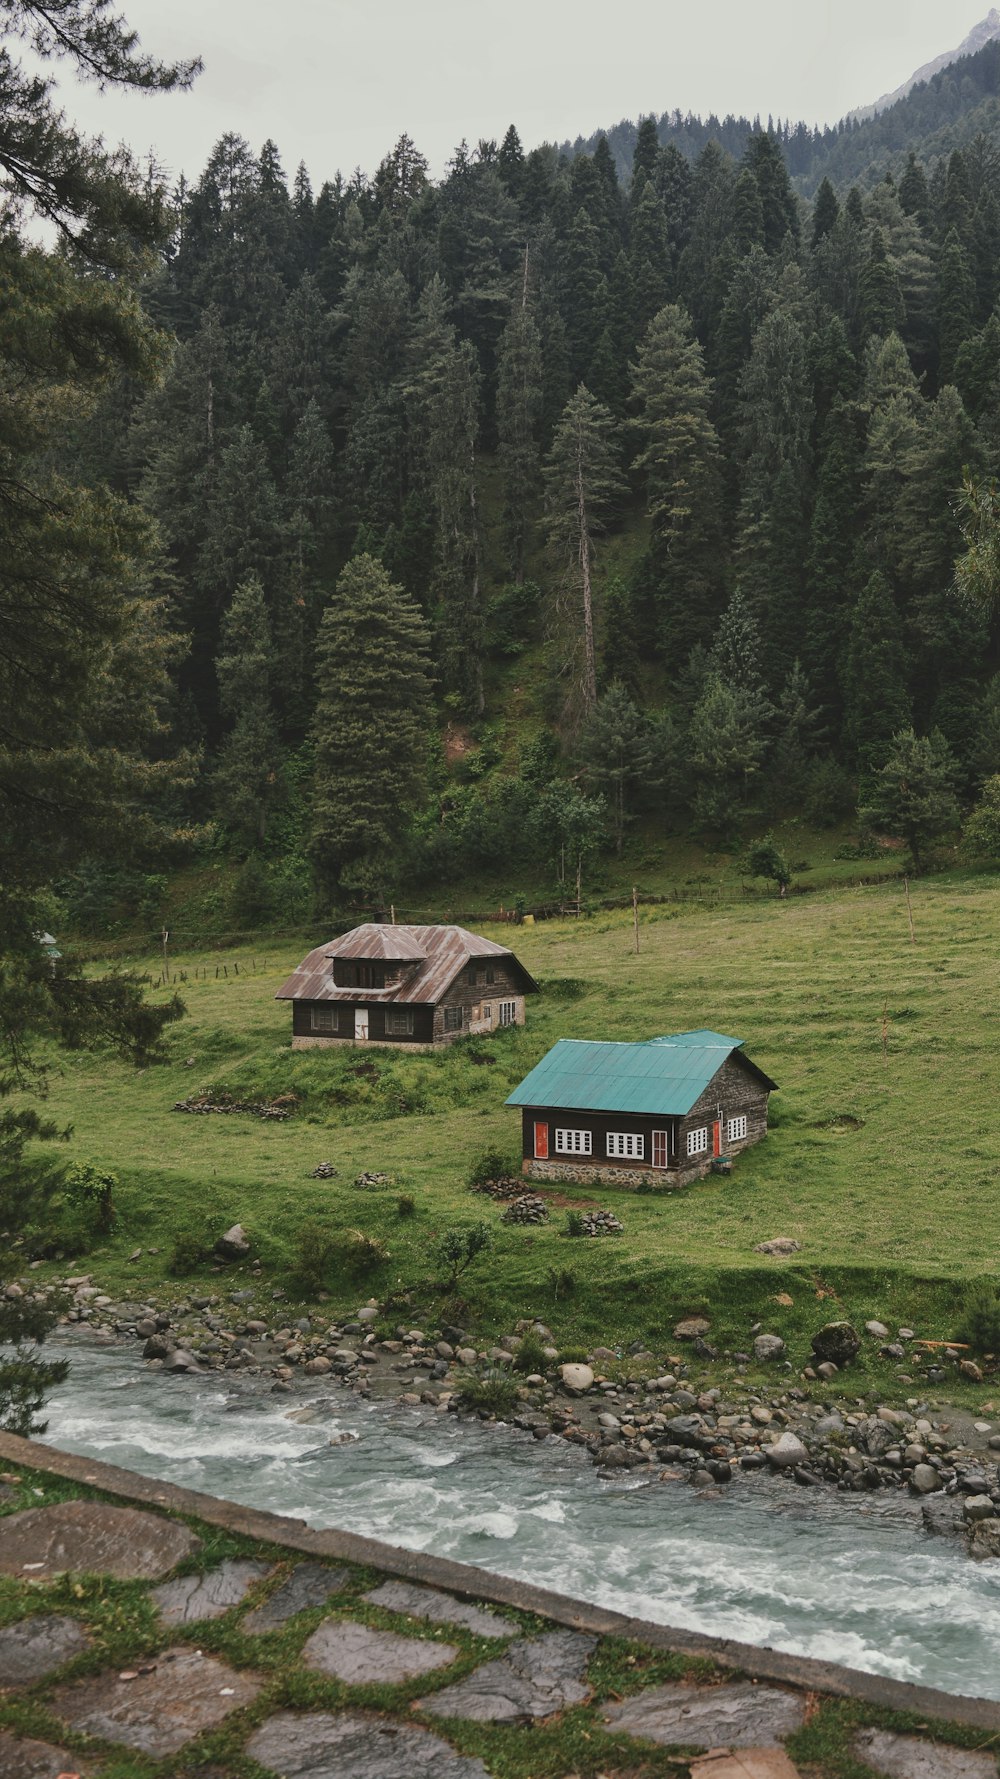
(460, 1248)
(91, 1190)
(829, 795)
(315, 1253)
(530, 1355)
(573, 1356)
(495, 1392)
(187, 1253)
(490, 1165)
(365, 1254)
(574, 1223)
(979, 1327)
(406, 1205)
(562, 1281)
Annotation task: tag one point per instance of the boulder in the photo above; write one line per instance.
(925, 1479)
(970, 1371)
(978, 1507)
(234, 1245)
(942, 1516)
(577, 1379)
(876, 1437)
(786, 1452)
(837, 1343)
(985, 1539)
(781, 1244)
(877, 1330)
(692, 1328)
(767, 1348)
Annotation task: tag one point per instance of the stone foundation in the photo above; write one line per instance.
(405, 1044)
(600, 1174)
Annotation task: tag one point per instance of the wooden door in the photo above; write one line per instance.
(361, 1025)
(660, 1149)
(541, 1142)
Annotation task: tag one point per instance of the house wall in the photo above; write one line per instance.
(304, 1038)
(734, 1092)
(473, 996)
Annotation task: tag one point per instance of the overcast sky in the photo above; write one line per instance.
(335, 82)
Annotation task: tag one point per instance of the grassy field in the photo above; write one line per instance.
(883, 1159)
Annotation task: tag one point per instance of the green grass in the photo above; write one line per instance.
(885, 1166)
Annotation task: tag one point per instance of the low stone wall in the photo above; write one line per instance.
(404, 1044)
(599, 1174)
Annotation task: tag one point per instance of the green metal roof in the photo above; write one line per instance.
(663, 1076)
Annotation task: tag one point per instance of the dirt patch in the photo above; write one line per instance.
(481, 1058)
(840, 1121)
(366, 1071)
(457, 743)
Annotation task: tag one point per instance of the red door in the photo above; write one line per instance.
(541, 1142)
(717, 1138)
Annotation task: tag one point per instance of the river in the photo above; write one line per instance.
(850, 1579)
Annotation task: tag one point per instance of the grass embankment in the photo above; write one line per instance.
(883, 1162)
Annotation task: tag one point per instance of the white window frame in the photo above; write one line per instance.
(506, 1013)
(399, 1022)
(697, 1141)
(736, 1129)
(574, 1142)
(324, 1020)
(625, 1145)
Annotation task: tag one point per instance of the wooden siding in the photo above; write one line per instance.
(735, 1092)
(598, 1124)
(423, 1021)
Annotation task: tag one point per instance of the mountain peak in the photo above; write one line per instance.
(977, 39)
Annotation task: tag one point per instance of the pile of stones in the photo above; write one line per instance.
(278, 1109)
(366, 1180)
(325, 1171)
(505, 1186)
(600, 1223)
(527, 1209)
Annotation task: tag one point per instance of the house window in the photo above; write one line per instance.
(736, 1129)
(322, 1019)
(661, 1148)
(698, 1141)
(490, 974)
(573, 1142)
(399, 1022)
(623, 1143)
(507, 1013)
(454, 1019)
(488, 1012)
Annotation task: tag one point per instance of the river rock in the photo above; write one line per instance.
(23, 1758)
(985, 1540)
(978, 1507)
(786, 1452)
(35, 1647)
(925, 1479)
(577, 1379)
(234, 1245)
(612, 1457)
(440, 1609)
(181, 1360)
(92, 1537)
(308, 1586)
(877, 1330)
(767, 1348)
(361, 1657)
(302, 1745)
(971, 1372)
(535, 1677)
(837, 1342)
(183, 1694)
(195, 1597)
(691, 1328)
(688, 1430)
(876, 1437)
(739, 1715)
(910, 1757)
(942, 1516)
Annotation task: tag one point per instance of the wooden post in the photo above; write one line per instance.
(579, 884)
(166, 971)
(635, 916)
(909, 910)
(392, 912)
(885, 1031)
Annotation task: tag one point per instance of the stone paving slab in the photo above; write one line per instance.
(23, 1758)
(910, 1757)
(182, 1693)
(732, 1716)
(360, 1656)
(744, 1763)
(308, 1586)
(353, 1745)
(533, 1678)
(440, 1609)
(196, 1597)
(36, 1646)
(89, 1536)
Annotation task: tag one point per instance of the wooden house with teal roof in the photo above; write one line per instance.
(657, 1112)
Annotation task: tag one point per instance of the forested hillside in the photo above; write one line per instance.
(499, 511)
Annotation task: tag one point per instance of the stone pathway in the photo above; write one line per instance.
(195, 1597)
(88, 1536)
(35, 1647)
(155, 1707)
(909, 1757)
(166, 1704)
(536, 1676)
(739, 1715)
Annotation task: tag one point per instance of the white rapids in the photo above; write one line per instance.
(850, 1579)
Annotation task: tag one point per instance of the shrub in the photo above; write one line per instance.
(573, 1356)
(315, 1252)
(187, 1253)
(91, 1189)
(530, 1355)
(406, 1205)
(365, 1254)
(574, 1223)
(979, 1327)
(562, 1281)
(460, 1248)
(490, 1165)
(495, 1392)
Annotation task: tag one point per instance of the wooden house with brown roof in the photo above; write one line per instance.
(417, 986)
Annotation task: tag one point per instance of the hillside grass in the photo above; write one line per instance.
(884, 1164)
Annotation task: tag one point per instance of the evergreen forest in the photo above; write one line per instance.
(485, 517)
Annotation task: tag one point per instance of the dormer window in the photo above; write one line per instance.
(348, 974)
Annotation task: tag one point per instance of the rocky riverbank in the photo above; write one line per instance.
(662, 1413)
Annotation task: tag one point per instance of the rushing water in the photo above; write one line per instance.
(845, 1578)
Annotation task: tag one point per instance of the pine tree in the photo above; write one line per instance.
(832, 561)
(913, 193)
(371, 724)
(645, 159)
(582, 483)
(725, 750)
(881, 309)
(617, 750)
(825, 212)
(913, 794)
(874, 676)
(519, 415)
(780, 212)
(246, 780)
(956, 305)
(748, 214)
(584, 300)
(679, 456)
(649, 257)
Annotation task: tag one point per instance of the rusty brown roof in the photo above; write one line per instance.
(437, 954)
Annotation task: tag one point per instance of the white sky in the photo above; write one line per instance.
(336, 83)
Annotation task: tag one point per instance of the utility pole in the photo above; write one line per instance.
(635, 916)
